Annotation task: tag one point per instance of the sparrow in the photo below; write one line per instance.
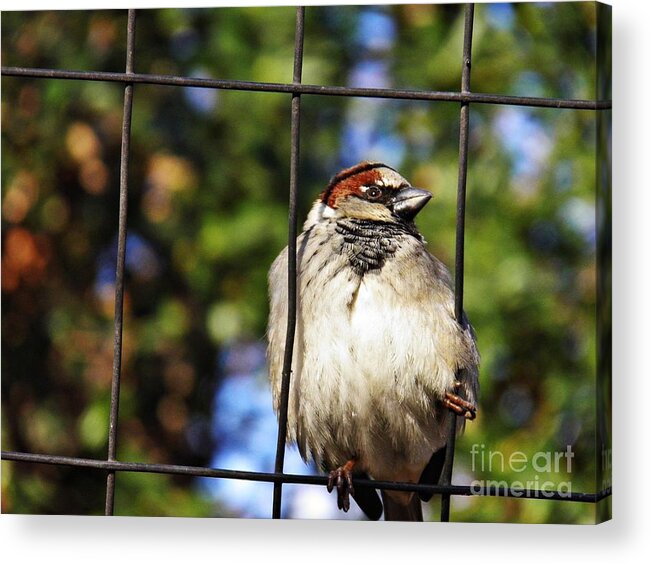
(379, 357)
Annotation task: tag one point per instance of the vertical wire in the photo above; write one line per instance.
(291, 263)
(119, 271)
(446, 474)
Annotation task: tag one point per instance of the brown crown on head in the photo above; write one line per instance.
(350, 179)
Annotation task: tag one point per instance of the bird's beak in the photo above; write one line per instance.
(409, 201)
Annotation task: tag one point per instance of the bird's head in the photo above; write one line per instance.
(372, 191)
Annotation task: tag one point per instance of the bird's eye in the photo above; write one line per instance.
(373, 193)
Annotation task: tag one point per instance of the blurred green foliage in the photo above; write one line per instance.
(207, 215)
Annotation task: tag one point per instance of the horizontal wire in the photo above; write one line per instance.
(169, 80)
(200, 471)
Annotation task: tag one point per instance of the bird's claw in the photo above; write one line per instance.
(458, 405)
(342, 479)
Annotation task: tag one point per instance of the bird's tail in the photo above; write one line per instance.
(395, 511)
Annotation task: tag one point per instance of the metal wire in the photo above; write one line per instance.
(291, 264)
(464, 124)
(119, 271)
(115, 466)
(111, 466)
(390, 93)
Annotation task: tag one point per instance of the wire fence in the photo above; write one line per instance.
(464, 97)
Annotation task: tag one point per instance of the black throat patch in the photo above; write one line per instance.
(368, 244)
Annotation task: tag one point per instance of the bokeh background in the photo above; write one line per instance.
(207, 216)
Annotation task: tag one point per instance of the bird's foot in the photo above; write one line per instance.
(458, 405)
(342, 479)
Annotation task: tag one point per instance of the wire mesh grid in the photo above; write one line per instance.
(464, 97)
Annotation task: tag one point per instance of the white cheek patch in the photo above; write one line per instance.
(318, 212)
(327, 212)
